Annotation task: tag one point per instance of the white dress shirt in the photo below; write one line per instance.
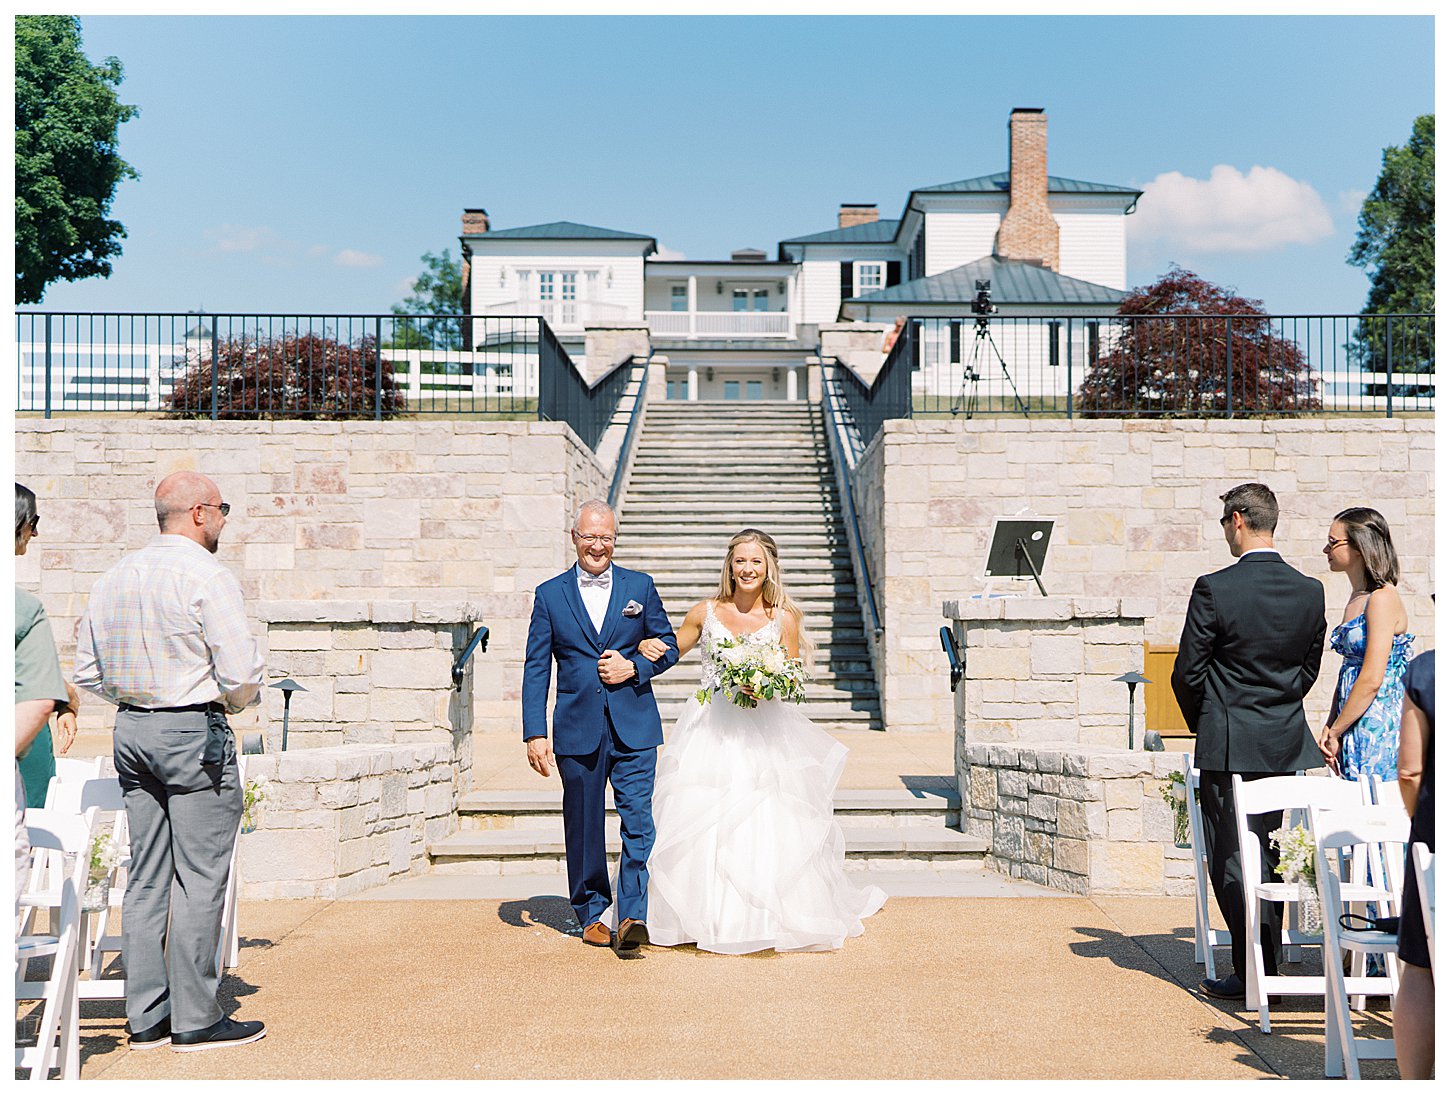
(594, 592)
(166, 627)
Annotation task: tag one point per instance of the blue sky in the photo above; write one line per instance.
(304, 164)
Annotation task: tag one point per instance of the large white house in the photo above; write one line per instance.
(742, 328)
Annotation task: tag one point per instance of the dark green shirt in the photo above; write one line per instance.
(37, 677)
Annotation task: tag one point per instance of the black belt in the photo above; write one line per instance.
(199, 708)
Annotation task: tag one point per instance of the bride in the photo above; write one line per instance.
(748, 855)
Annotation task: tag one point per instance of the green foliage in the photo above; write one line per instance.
(1396, 246)
(66, 162)
(437, 291)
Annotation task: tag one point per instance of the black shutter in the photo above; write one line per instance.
(893, 274)
(955, 354)
(1054, 336)
(1092, 332)
(848, 282)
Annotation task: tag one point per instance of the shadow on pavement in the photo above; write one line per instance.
(543, 912)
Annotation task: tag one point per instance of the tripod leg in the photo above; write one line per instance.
(1021, 406)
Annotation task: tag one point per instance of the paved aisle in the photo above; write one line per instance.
(940, 988)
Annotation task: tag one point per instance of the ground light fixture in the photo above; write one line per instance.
(1132, 680)
(288, 686)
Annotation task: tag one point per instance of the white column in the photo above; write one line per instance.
(693, 392)
(790, 302)
(792, 384)
(690, 302)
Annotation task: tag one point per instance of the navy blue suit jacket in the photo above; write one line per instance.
(561, 631)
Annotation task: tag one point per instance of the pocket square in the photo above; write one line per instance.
(634, 608)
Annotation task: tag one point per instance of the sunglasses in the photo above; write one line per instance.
(225, 507)
(33, 524)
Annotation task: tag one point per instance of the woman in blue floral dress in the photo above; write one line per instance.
(1362, 735)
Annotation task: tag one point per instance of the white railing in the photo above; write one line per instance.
(562, 315)
(721, 324)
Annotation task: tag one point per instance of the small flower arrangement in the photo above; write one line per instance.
(763, 668)
(1296, 854)
(103, 857)
(254, 793)
(1175, 794)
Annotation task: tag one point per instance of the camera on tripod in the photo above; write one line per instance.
(982, 305)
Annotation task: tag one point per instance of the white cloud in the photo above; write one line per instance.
(349, 257)
(1230, 211)
(668, 254)
(243, 238)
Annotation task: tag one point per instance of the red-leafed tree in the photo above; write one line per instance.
(305, 376)
(1188, 348)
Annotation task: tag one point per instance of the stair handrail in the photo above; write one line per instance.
(835, 430)
(625, 458)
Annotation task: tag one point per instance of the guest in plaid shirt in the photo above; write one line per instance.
(165, 637)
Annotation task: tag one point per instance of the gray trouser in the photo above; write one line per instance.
(183, 818)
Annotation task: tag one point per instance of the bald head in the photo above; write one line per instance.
(189, 504)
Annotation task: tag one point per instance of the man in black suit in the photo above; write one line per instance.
(1250, 650)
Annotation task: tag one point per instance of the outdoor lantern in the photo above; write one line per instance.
(1132, 680)
(288, 686)
(719, 287)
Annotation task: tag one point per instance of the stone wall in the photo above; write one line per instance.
(1088, 819)
(343, 819)
(1136, 504)
(1043, 669)
(466, 510)
(375, 672)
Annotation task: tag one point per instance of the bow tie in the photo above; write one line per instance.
(601, 581)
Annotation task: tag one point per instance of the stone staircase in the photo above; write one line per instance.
(507, 832)
(705, 470)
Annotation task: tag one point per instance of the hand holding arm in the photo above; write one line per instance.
(656, 623)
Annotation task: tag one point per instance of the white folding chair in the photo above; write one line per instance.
(1205, 938)
(1424, 863)
(76, 770)
(57, 1046)
(104, 794)
(229, 942)
(1263, 796)
(1338, 836)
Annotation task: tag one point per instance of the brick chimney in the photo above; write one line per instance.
(475, 222)
(853, 213)
(1028, 232)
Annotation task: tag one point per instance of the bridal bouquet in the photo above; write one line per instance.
(763, 668)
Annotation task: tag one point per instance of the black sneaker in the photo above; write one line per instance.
(224, 1032)
(151, 1037)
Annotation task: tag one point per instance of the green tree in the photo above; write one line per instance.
(437, 291)
(1396, 247)
(66, 162)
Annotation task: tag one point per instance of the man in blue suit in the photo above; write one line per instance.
(591, 620)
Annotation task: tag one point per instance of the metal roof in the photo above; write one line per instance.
(878, 231)
(1001, 182)
(1013, 282)
(562, 230)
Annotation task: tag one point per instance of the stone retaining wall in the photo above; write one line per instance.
(467, 510)
(1088, 819)
(1136, 504)
(342, 819)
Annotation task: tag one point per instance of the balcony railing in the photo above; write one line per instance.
(304, 367)
(1185, 366)
(562, 315)
(720, 324)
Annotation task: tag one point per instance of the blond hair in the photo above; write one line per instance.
(772, 589)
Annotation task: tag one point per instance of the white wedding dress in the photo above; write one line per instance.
(748, 855)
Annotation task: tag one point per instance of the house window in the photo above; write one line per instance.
(754, 389)
(870, 276)
(679, 298)
(732, 389)
(739, 300)
(759, 300)
(559, 297)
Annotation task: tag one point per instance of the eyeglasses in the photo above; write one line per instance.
(595, 538)
(33, 524)
(1332, 543)
(225, 507)
(1226, 518)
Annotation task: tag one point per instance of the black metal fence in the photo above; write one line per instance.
(285, 366)
(1218, 366)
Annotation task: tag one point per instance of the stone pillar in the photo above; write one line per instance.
(376, 672)
(607, 344)
(858, 345)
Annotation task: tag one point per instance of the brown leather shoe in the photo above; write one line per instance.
(597, 935)
(631, 934)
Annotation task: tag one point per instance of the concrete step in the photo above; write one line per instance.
(528, 851)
